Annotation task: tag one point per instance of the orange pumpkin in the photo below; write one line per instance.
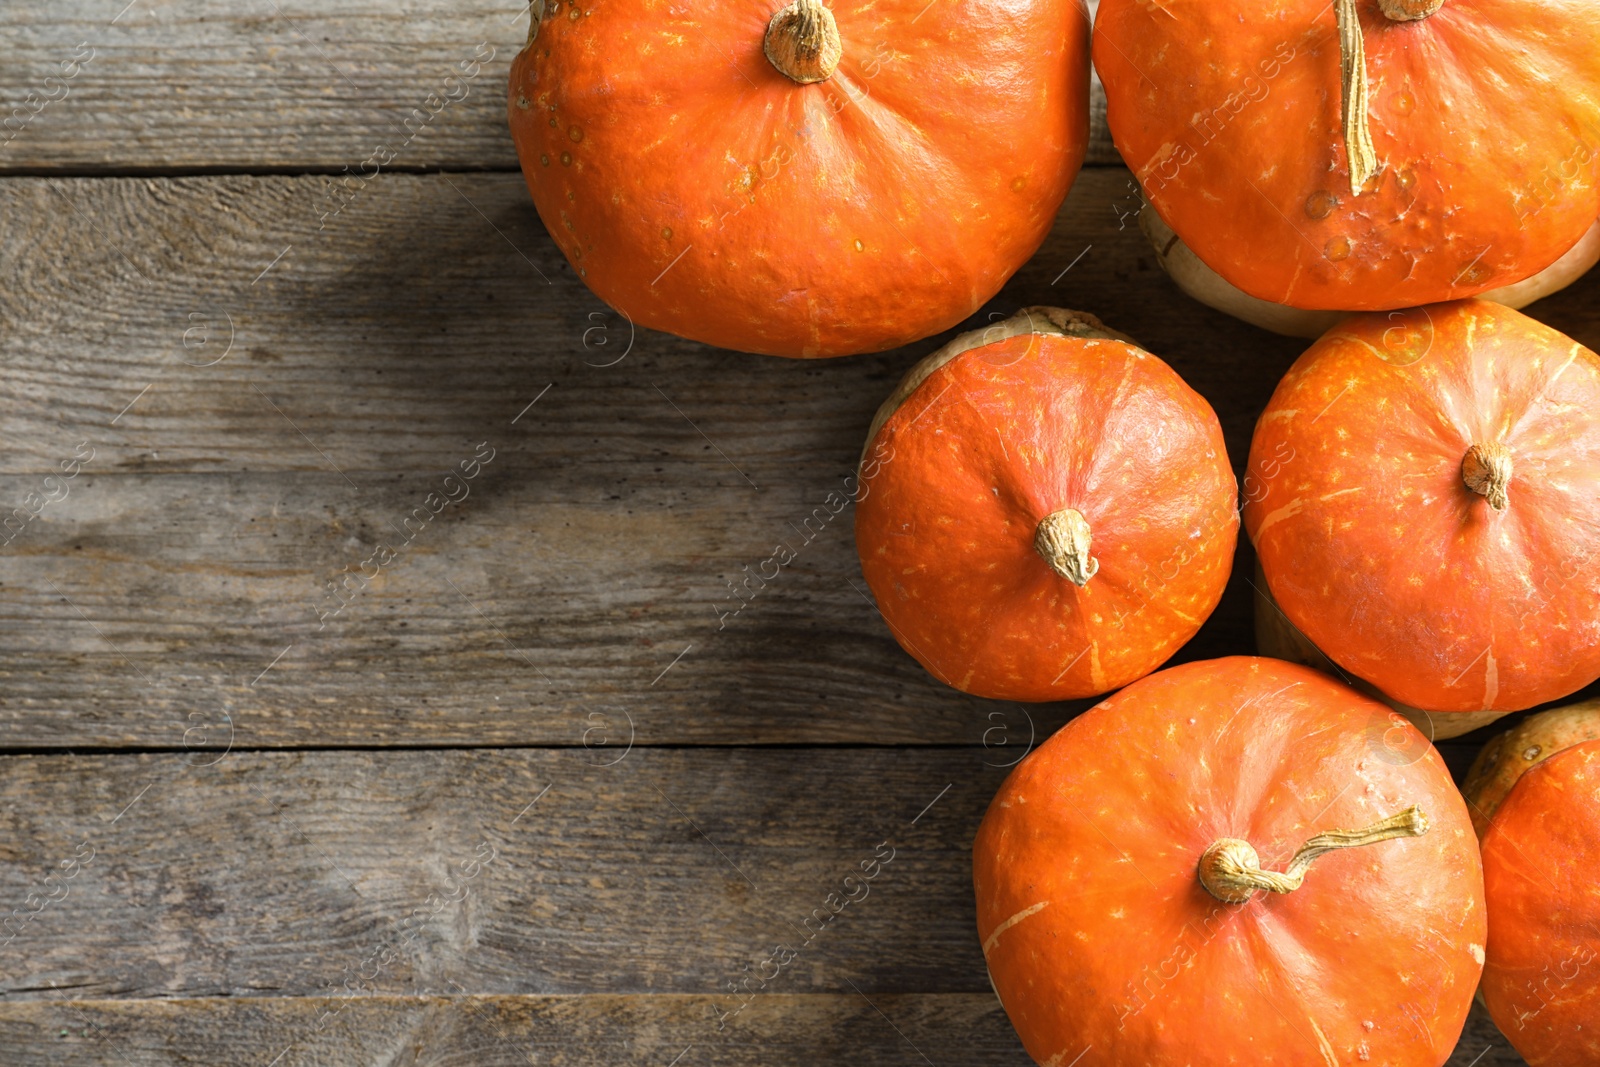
(1277, 637)
(1360, 154)
(803, 181)
(1505, 758)
(1046, 510)
(1424, 496)
(1541, 982)
(1216, 866)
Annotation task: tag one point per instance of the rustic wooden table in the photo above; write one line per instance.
(291, 775)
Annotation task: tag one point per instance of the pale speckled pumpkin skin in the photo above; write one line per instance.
(1478, 115)
(1132, 958)
(1006, 434)
(1541, 982)
(1378, 552)
(852, 215)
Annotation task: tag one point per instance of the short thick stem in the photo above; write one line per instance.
(1486, 470)
(1062, 540)
(802, 42)
(1231, 871)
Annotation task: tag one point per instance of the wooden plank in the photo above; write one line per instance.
(960, 1029)
(94, 86)
(208, 324)
(194, 546)
(486, 1031)
(286, 888)
(509, 871)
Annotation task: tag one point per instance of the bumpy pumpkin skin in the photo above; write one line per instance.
(1102, 944)
(1506, 757)
(1541, 982)
(1484, 117)
(1007, 433)
(697, 190)
(1374, 546)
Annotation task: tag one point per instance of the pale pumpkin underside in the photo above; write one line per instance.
(1483, 115)
(1202, 283)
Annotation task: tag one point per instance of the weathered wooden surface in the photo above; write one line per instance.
(280, 85)
(597, 544)
(509, 871)
(498, 1031)
(255, 393)
(493, 1031)
(322, 903)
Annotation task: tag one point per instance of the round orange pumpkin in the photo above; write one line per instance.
(1046, 510)
(1424, 496)
(1541, 982)
(1214, 867)
(1360, 154)
(802, 180)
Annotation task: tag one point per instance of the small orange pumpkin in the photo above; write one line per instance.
(1424, 496)
(1360, 154)
(1139, 881)
(802, 180)
(1541, 982)
(1046, 510)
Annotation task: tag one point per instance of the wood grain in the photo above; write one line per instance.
(284, 85)
(194, 547)
(501, 1031)
(305, 900)
(670, 871)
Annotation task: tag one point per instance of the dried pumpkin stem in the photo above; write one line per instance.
(1062, 541)
(1353, 86)
(1486, 470)
(802, 42)
(1231, 871)
(1353, 79)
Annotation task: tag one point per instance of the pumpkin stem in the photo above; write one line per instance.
(802, 42)
(1487, 471)
(1062, 540)
(1409, 10)
(1353, 80)
(1353, 86)
(1231, 871)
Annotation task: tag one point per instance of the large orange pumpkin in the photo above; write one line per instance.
(1360, 154)
(1139, 881)
(1541, 982)
(1046, 510)
(802, 180)
(1424, 496)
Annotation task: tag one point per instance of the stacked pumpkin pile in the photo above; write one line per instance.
(1251, 849)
